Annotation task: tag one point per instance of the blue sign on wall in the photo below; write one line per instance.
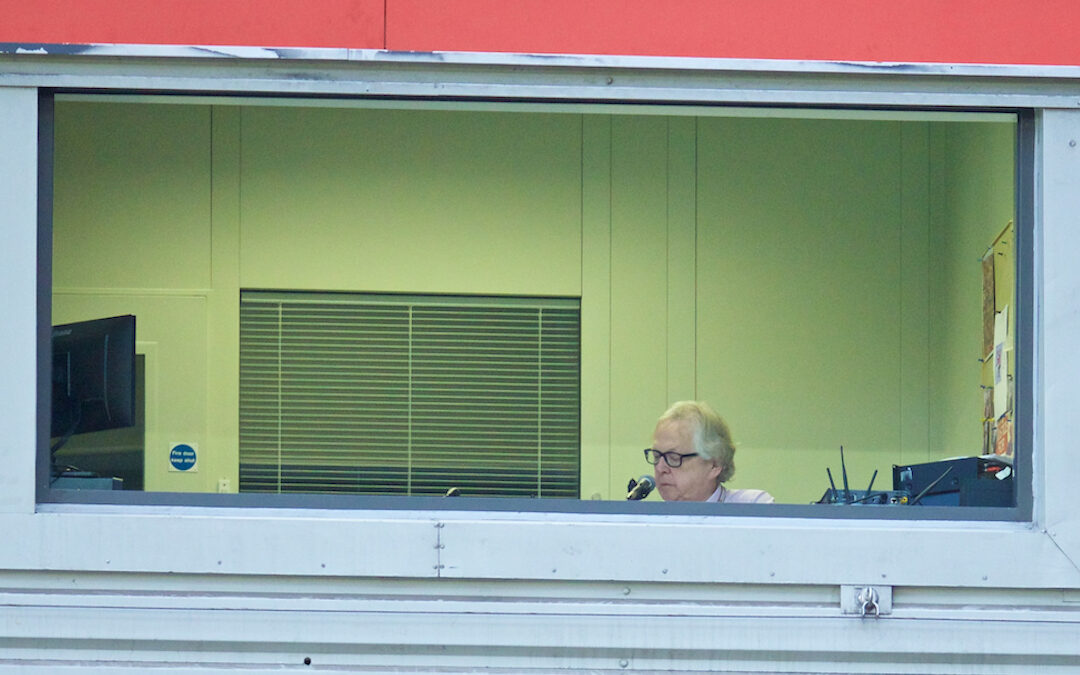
(182, 457)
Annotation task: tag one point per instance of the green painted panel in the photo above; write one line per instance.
(223, 302)
(973, 199)
(639, 282)
(799, 288)
(914, 295)
(682, 261)
(596, 456)
(171, 332)
(411, 201)
(132, 196)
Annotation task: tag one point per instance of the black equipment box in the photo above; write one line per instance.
(966, 481)
(843, 497)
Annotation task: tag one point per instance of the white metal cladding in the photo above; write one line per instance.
(132, 623)
(18, 264)
(538, 77)
(362, 394)
(194, 590)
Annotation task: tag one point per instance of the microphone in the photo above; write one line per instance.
(641, 488)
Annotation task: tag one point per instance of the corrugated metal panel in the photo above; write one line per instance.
(376, 395)
(172, 623)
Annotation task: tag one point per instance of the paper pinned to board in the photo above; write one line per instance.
(1001, 362)
(989, 294)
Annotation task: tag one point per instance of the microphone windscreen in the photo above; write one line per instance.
(642, 488)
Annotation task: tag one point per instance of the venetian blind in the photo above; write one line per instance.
(409, 395)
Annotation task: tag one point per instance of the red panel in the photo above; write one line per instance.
(958, 31)
(265, 23)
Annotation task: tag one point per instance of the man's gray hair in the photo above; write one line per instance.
(712, 438)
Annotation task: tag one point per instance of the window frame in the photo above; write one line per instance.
(1022, 512)
(1037, 550)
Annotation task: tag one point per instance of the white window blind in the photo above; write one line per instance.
(368, 394)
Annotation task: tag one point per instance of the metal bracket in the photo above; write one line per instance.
(866, 601)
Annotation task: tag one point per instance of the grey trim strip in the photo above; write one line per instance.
(1024, 412)
(45, 291)
(398, 299)
(534, 77)
(434, 506)
(602, 61)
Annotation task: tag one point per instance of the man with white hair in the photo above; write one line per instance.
(693, 456)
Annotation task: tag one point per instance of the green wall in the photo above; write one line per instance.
(460, 202)
(800, 333)
(972, 201)
(815, 279)
(133, 234)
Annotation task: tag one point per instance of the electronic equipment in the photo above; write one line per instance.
(86, 480)
(961, 481)
(93, 390)
(867, 497)
(93, 375)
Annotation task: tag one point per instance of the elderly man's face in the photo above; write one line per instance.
(695, 479)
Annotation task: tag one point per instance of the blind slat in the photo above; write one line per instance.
(369, 397)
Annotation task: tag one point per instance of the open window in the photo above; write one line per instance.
(825, 278)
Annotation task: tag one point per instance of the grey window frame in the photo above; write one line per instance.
(478, 85)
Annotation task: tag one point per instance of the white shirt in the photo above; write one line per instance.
(727, 496)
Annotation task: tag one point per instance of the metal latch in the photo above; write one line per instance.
(866, 601)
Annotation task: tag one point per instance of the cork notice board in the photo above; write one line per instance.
(998, 310)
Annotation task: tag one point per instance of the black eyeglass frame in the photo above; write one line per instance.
(652, 456)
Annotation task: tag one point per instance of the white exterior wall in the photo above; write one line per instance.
(199, 589)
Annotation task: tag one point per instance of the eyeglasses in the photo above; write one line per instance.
(671, 458)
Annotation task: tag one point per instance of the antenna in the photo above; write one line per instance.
(843, 468)
(868, 496)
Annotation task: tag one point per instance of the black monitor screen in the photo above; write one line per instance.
(93, 378)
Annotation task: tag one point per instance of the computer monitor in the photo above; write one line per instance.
(93, 378)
